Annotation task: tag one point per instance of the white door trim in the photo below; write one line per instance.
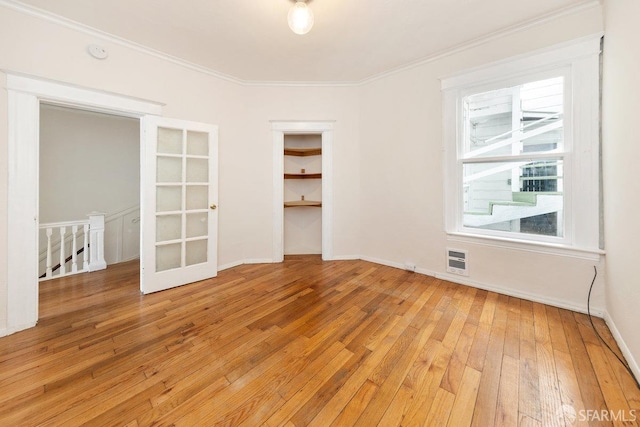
(279, 130)
(24, 96)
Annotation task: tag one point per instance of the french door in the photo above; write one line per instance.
(179, 184)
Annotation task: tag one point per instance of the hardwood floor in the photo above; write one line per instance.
(305, 343)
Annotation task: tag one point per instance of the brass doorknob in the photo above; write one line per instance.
(213, 207)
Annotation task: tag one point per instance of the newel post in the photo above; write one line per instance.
(96, 242)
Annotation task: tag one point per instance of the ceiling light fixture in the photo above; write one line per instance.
(300, 18)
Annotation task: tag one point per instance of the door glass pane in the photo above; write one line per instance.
(197, 224)
(196, 252)
(168, 256)
(198, 143)
(169, 141)
(169, 169)
(197, 170)
(168, 198)
(197, 197)
(168, 227)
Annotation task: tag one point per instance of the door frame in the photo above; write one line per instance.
(279, 129)
(24, 95)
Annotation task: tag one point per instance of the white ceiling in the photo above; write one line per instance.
(351, 40)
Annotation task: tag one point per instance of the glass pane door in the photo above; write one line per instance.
(180, 218)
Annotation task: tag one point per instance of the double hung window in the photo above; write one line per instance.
(521, 144)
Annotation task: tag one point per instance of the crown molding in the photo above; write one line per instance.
(77, 26)
(93, 32)
(549, 17)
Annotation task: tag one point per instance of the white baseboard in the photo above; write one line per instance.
(505, 291)
(8, 331)
(344, 257)
(599, 312)
(230, 265)
(258, 261)
(382, 262)
(245, 261)
(633, 364)
(401, 266)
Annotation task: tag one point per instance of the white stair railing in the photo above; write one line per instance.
(96, 242)
(60, 236)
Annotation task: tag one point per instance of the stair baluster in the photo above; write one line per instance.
(63, 267)
(74, 250)
(91, 232)
(49, 271)
(85, 253)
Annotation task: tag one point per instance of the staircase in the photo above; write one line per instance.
(524, 205)
(75, 238)
(89, 245)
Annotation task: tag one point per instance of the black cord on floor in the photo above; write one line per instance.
(626, 366)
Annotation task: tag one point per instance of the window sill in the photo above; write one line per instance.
(527, 246)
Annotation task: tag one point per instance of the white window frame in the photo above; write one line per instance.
(578, 63)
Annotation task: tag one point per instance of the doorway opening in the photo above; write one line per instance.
(309, 169)
(302, 194)
(25, 95)
(89, 163)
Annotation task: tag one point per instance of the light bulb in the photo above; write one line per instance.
(300, 18)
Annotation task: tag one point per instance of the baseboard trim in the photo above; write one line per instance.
(230, 265)
(245, 261)
(598, 312)
(345, 257)
(633, 364)
(258, 261)
(8, 331)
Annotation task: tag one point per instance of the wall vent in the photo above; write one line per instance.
(457, 261)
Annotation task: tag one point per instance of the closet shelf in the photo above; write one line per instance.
(302, 152)
(302, 175)
(298, 203)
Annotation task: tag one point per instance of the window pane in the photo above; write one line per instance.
(519, 196)
(516, 120)
(197, 197)
(198, 143)
(168, 257)
(168, 198)
(196, 252)
(168, 227)
(197, 170)
(197, 224)
(169, 141)
(169, 169)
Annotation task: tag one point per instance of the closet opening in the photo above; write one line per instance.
(302, 189)
(302, 194)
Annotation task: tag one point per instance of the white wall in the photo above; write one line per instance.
(402, 173)
(387, 159)
(621, 149)
(33, 46)
(4, 178)
(38, 47)
(291, 103)
(88, 162)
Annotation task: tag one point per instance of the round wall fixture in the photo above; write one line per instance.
(97, 52)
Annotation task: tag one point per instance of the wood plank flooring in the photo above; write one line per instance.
(306, 343)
